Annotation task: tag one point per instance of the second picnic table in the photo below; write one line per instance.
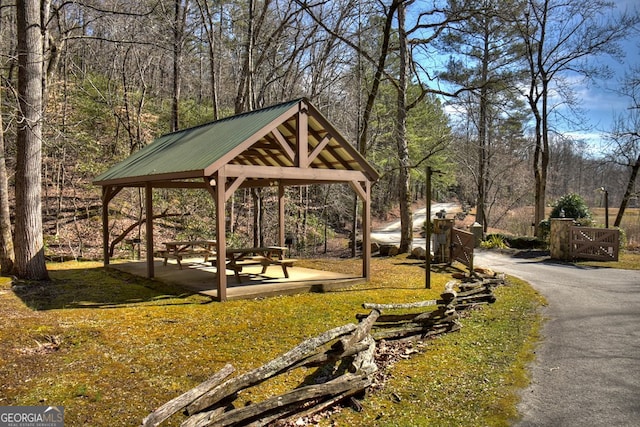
(188, 248)
(265, 256)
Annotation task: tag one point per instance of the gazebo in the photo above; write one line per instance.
(289, 144)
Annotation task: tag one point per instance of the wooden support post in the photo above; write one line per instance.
(366, 232)
(303, 136)
(365, 195)
(148, 192)
(105, 224)
(221, 238)
(281, 213)
(108, 193)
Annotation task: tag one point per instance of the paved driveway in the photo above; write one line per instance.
(390, 233)
(587, 367)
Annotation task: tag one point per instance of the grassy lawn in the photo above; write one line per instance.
(110, 348)
(626, 261)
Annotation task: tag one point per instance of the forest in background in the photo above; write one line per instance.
(117, 74)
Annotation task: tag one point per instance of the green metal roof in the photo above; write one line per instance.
(263, 138)
(194, 149)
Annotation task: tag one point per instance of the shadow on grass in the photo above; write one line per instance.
(441, 268)
(100, 288)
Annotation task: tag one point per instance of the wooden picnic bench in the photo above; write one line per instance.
(179, 250)
(265, 256)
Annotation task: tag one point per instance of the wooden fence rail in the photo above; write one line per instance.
(350, 345)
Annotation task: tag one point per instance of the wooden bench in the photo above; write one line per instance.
(237, 265)
(264, 256)
(260, 260)
(284, 263)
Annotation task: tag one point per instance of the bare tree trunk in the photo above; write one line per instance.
(363, 128)
(29, 247)
(324, 216)
(482, 134)
(555, 45)
(541, 159)
(7, 255)
(244, 97)
(213, 41)
(406, 216)
(536, 94)
(179, 23)
(305, 211)
(629, 190)
(373, 93)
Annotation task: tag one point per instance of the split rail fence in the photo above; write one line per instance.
(348, 353)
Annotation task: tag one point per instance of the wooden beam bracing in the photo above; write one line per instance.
(284, 144)
(309, 174)
(233, 186)
(316, 151)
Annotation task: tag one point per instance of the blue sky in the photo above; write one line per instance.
(600, 100)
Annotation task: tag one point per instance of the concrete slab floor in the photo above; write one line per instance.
(200, 277)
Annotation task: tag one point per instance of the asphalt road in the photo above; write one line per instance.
(587, 367)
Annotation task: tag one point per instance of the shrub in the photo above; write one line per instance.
(494, 241)
(572, 206)
(502, 241)
(624, 241)
(524, 242)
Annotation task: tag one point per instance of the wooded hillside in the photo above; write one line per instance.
(117, 74)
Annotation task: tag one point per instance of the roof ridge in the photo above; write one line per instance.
(236, 116)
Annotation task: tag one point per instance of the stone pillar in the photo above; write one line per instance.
(442, 240)
(477, 230)
(559, 238)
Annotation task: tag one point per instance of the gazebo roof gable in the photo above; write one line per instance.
(269, 137)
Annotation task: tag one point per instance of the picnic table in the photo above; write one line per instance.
(265, 256)
(181, 249)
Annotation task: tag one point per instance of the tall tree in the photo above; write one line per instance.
(213, 32)
(7, 254)
(561, 37)
(417, 40)
(29, 247)
(625, 141)
(181, 9)
(245, 95)
(404, 193)
(484, 54)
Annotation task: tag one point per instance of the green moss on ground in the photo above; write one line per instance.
(111, 347)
